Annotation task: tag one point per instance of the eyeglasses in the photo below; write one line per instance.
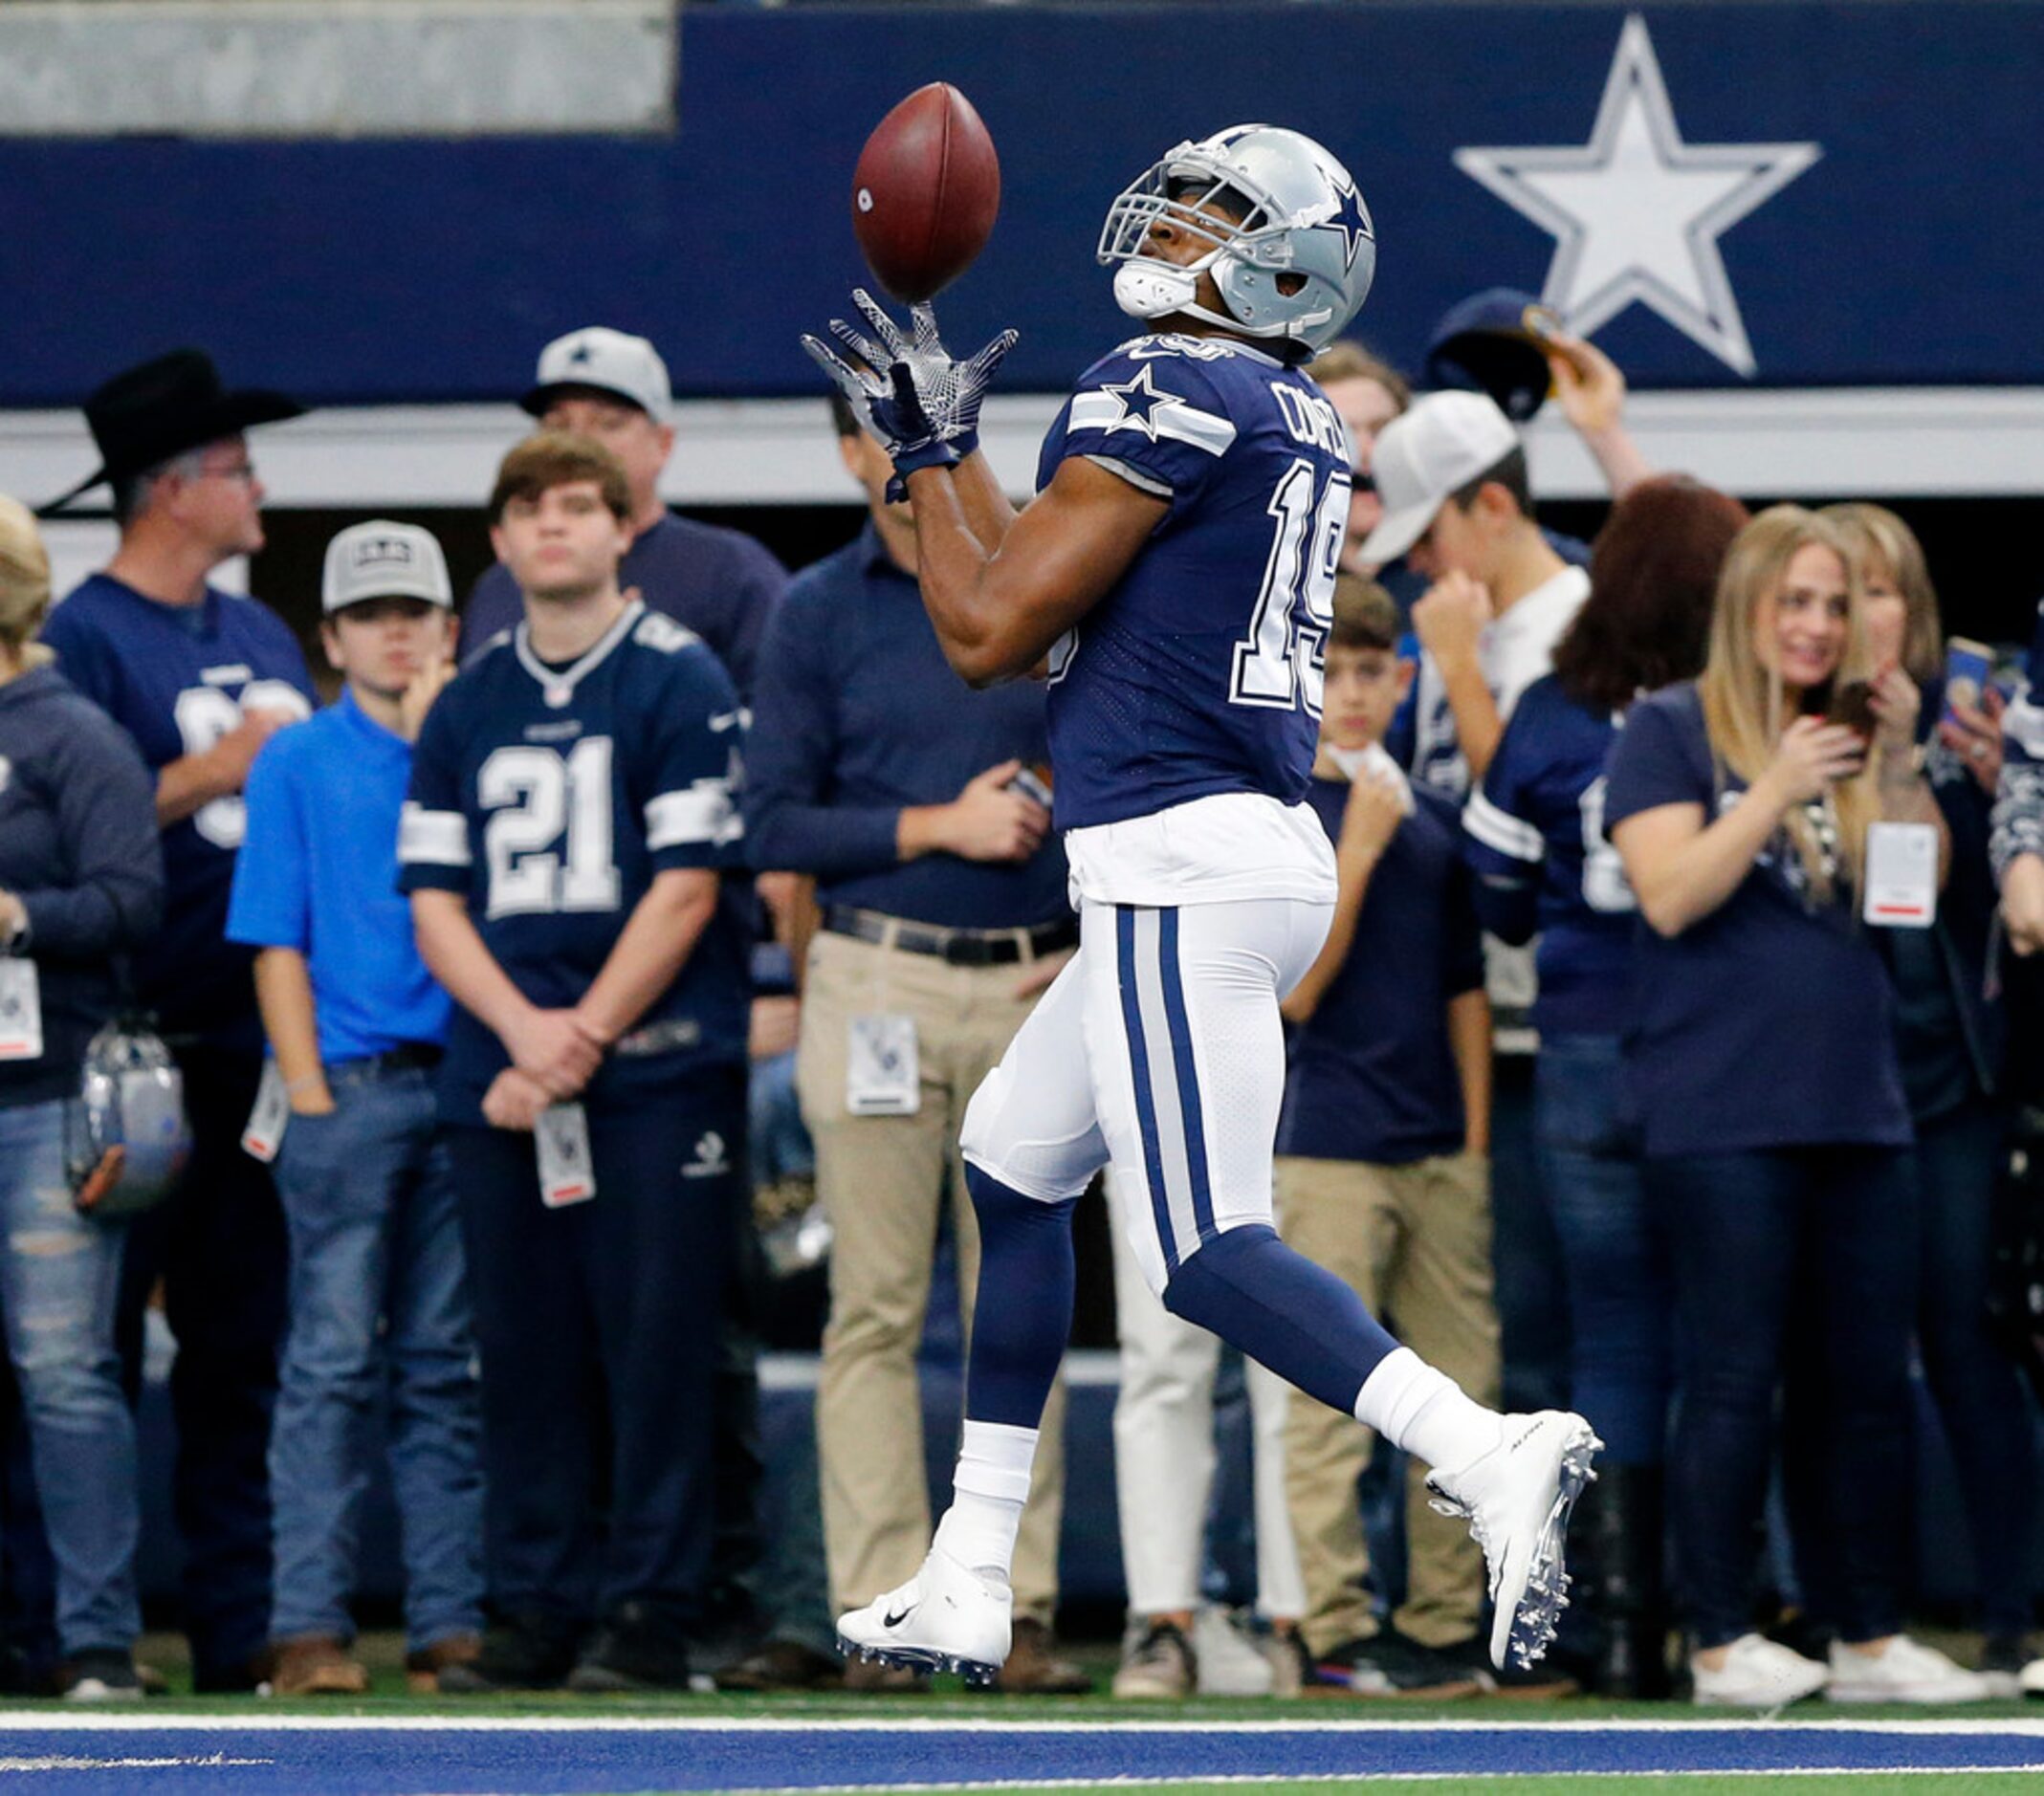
(243, 471)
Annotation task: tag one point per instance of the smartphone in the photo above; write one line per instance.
(1969, 665)
(1852, 704)
(1031, 785)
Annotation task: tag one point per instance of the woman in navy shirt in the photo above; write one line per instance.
(1950, 1044)
(1534, 835)
(1762, 1056)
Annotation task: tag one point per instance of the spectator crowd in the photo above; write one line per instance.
(1666, 1058)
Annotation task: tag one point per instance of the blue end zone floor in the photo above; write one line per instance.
(423, 1756)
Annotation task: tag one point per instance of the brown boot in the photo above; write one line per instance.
(318, 1665)
(1033, 1667)
(423, 1668)
(870, 1678)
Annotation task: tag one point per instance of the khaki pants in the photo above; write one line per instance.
(881, 1180)
(1414, 1242)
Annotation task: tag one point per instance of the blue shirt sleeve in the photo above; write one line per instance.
(1158, 419)
(1655, 759)
(791, 825)
(1500, 843)
(1464, 969)
(270, 904)
(693, 817)
(434, 851)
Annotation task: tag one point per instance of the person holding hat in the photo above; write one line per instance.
(603, 384)
(80, 882)
(378, 1293)
(200, 678)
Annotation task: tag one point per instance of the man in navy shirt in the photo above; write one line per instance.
(571, 818)
(200, 678)
(1382, 1168)
(722, 584)
(875, 768)
(354, 1023)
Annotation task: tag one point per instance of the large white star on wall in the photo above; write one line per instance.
(1636, 213)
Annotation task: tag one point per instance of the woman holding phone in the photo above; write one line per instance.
(1949, 1044)
(1774, 1124)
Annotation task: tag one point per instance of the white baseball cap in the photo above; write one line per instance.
(609, 360)
(1427, 454)
(381, 560)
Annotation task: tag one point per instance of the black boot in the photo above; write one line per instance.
(1631, 1588)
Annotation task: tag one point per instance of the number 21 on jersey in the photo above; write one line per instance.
(1280, 663)
(534, 795)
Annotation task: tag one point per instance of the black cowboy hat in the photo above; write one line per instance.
(143, 418)
(1485, 343)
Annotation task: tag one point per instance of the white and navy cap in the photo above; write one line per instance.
(1425, 456)
(609, 362)
(384, 560)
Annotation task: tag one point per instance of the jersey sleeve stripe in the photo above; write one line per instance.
(432, 837)
(1141, 478)
(1176, 420)
(703, 813)
(1496, 829)
(2023, 725)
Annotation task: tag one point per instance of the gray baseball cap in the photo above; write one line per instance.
(381, 560)
(1423, 457)
(609, 360)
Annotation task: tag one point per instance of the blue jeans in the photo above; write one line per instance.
(58, 1280)
(1620, 1299)
(379, 1317)
(1819, 1243)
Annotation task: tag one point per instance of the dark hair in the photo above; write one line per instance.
(1653, 577)
(556, 458)
(1346, 360)
(1365, 615)
(1509, 472)
(843, 417)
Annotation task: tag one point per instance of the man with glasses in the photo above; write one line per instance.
(200, 678)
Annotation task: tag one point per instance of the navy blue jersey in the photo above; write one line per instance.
(1373, 1074)
(1534, 835)
(1200, 671)
(177, 678)
(1769, 1022)
(549, 798)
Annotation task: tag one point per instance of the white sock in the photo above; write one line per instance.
(988, 1491)
(1424, 1412)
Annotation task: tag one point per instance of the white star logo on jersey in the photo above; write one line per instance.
(1636, 213)
(1139, 402)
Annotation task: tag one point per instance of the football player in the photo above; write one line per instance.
(570, 816)
(1173, 580)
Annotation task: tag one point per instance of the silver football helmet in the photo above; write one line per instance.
(1301, 215)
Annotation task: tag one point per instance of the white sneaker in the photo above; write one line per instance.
(2032, 1678)
(946, 1618)
(1516, 1499)
(1907, 1671)
(1231, 1663)
(1757, 1674)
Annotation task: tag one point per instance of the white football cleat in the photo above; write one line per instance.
(946, 1618)
(1516, 1499)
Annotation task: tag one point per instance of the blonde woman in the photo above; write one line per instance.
(1762, 1056)
(80, 881)
(1949, 1042)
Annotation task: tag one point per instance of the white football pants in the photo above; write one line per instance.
(1159, 1048)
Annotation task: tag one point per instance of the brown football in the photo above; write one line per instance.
(925, 193)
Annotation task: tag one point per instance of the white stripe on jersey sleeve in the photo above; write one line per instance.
(2023, 724)
(1174, 419)
(432, 837)
(704, 813)
(1510, 835)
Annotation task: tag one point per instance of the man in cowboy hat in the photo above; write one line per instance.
(200, 678)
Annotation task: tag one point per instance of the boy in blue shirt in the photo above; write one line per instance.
(354, 1023)
(1382, 1171)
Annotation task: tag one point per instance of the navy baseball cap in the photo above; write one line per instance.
(1484, 344)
